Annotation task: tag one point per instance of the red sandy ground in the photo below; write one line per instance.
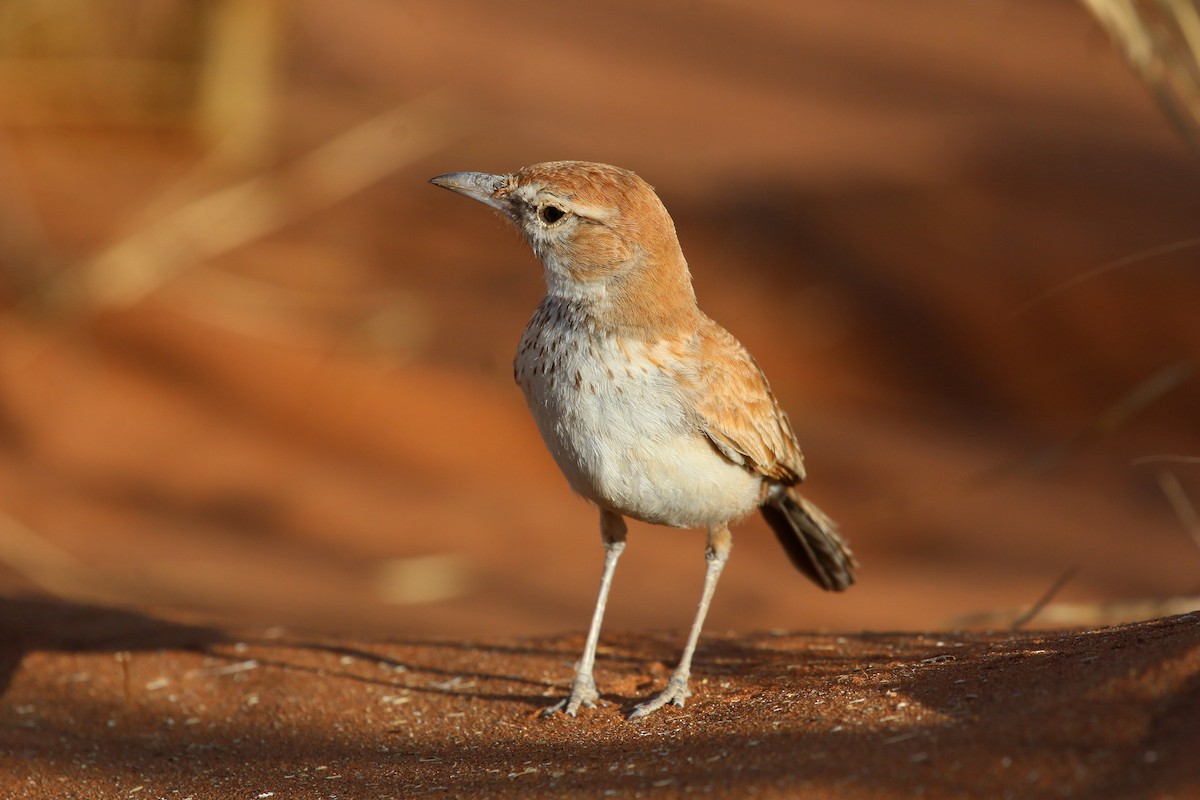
(319, 430)
(194, 712)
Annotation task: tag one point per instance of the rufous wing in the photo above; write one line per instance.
(734, 407)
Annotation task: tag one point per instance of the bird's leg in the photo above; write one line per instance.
(583, 688)
(720, 541)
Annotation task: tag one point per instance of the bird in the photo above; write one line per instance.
(651, 409)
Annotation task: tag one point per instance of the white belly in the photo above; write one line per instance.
(614, 424)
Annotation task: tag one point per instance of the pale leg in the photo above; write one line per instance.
(583, 689)
(720, 541)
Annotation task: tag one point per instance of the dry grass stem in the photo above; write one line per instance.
(1043, 601)
(45, 564)
(1072, 615)
(1180, 504)
(216, 223)
(237, 81)
(191, 230)
(1109, 420)
(231, 217)
(1160, 39)
(1165, 459)
(1104, 269)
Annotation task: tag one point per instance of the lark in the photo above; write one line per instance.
(651, 409)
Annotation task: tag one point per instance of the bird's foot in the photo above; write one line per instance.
(676, 693)
(583, 693)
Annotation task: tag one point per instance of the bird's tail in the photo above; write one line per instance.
(810, 539)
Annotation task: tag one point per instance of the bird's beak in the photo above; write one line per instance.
(487, 189)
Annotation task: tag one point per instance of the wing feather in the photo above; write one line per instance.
(735, 408)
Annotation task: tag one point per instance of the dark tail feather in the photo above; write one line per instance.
(810, 539)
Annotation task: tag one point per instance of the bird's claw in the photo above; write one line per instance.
(583, 694)
(676, 693)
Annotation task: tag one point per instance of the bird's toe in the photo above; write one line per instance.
(583, 695)
(676, 693)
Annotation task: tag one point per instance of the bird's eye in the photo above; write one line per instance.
(550, 214)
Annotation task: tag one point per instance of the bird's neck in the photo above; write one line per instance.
(651, 301)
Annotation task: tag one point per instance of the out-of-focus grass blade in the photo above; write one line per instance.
(1162, 42)
(228, 218)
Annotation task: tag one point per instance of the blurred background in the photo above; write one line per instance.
(253, 368)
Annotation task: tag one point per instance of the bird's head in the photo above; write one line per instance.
(600, 231)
